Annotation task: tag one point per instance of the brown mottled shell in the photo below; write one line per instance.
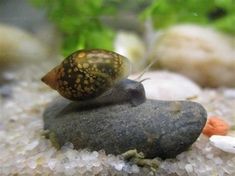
(86, 74)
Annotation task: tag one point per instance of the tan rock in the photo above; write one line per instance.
(17, 46)
(200, 53)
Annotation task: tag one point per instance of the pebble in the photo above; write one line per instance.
(215, 125)
(229, 93)
(225, 143)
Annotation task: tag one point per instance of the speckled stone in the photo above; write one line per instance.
(157, 128)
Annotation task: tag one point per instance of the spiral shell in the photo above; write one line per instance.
(86, 74)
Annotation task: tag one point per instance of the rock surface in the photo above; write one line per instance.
(157, 128)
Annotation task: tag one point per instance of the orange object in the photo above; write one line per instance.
(215, 126)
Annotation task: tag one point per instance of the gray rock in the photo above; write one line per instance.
(156, 128)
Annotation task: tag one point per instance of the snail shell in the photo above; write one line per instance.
(86, 74)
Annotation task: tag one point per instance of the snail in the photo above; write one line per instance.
(87, 74)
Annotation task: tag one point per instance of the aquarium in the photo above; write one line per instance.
(114, 87)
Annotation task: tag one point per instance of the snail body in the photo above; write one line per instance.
(87, 74)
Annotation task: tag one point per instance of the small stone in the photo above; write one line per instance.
(32, 145)
(32, 163)
(119, 165)
(225, 143)
(81, 164)
(135, 169)
(52, 163)
(229, 93)
(189, 168)
(95, 154)
(218, 160)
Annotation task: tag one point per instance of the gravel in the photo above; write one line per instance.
(25, 151)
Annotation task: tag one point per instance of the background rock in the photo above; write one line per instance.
(131, 46)
(26, 37)
(28, 18)
(20, 49)
(157, 128)
(19, 46)
(163, 85)
(200, 53)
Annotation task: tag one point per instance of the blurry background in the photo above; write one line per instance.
(185, 48)
(194, 37)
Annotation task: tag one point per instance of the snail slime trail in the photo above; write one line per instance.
(87, 74)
